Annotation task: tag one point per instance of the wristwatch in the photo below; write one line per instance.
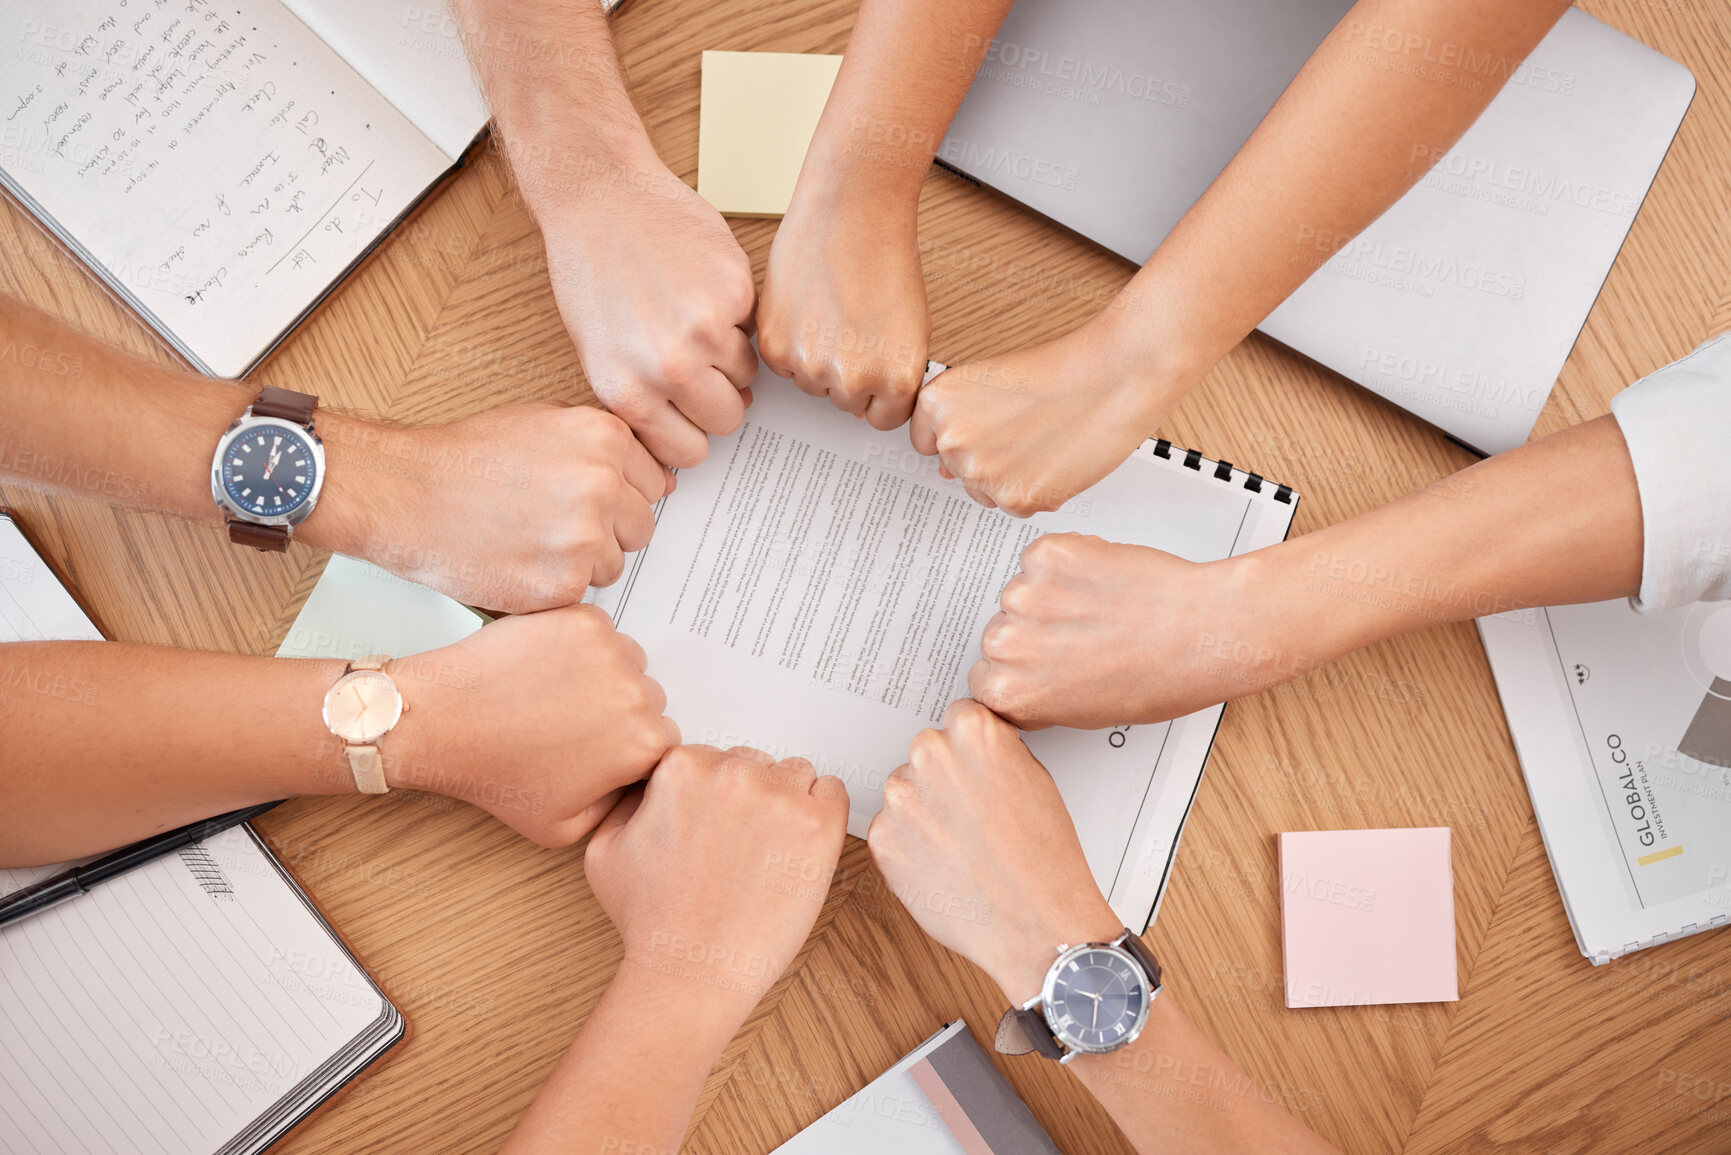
(360, 709)
(1095, 999)
(268, 469)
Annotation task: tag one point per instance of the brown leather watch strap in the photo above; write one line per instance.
(1021, 1031)
(274, 538)
(1140, 952)
(285, 405)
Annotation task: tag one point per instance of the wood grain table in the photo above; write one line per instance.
(495, 949)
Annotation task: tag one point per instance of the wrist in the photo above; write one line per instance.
(716, 988)
(709, 1014)
(1019, 961)
(562, 175)
(1145, 349)
(414, 756)
(343, 521)
(851, 171)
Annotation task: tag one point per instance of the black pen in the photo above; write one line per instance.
(74, 882)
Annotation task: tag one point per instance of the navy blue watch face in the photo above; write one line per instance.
(269, 470)
(1097, 999)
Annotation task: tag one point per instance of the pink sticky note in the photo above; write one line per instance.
(1368, 916)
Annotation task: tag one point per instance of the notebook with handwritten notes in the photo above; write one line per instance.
(197, 1004)
(221, 167)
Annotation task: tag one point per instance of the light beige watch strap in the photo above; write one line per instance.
(1011, 1038)
(364, 761)
(368, 768)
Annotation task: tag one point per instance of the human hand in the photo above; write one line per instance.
(974, 839)
(715, 870)
(539, 719)
(659, 299)
(1029, 430)
(844, 302)
(1095, 633)
(516, 509)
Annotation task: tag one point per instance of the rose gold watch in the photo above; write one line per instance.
(360, 709)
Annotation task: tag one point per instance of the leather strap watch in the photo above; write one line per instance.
(268, 469)
(360, 709)
(1095, 999)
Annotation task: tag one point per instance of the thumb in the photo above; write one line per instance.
(590, 816)
(922, 425)
(613, 825)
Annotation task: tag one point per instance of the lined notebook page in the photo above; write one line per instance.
(221, 162)
(168, 1009)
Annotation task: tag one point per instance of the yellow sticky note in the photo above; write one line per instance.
(759, 110)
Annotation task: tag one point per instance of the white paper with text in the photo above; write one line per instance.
(1622, 721)
(814, 588)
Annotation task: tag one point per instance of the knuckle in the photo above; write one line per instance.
(772, 344)
(878, 834)
(628, 401)
(998, 643)
(584, 618)
(739, 294)
(927, 744)
(994, 694)
(611, 433)
(1046, 551)
(1021, 595)
(970, 717)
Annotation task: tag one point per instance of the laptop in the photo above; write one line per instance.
(1461, 303)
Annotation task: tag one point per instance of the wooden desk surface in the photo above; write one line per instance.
(496, 951)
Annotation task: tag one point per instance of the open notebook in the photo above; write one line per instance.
(197, 1004)
(815, 589)
(221, 167)
(1622, 721)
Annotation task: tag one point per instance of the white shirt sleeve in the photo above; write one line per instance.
(1677, 424)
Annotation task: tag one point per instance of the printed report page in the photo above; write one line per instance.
(816, 589)
(1651, 703)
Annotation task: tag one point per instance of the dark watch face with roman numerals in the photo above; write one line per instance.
(269, 470)
(1096, 1000)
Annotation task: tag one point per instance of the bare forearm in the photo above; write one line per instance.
(631, 1079)
(1553, 522)
(557, 91)
(1174, 1092)
(1389, 91)
(908, 65)
(107, 743)
(100, 423)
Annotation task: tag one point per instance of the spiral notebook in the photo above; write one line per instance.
(816, 589)
(197, 1004)
(1622, 721)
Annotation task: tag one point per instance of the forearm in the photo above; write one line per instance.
(101, 423)
(1553, 522)
(631, 1079)
(1174, 1092)
(558, 95)
(106, 743)
(907, 66)
(1363, 121)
